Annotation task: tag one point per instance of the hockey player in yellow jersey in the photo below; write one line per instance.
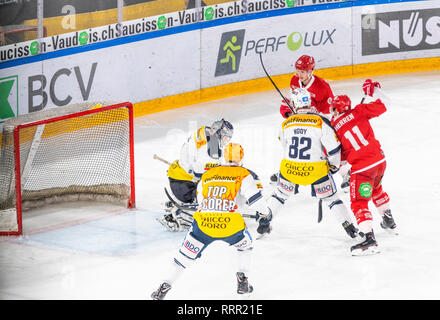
(223, 192)
(311, 154)
(201, 151)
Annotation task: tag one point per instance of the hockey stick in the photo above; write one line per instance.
(319, 210)
(194, 207)
(273, 83)
(155, 156)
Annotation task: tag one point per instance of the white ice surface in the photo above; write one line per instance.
(98, 251)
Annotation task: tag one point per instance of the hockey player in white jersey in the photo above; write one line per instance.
(304, 137)
(201, 151)
(223, 193)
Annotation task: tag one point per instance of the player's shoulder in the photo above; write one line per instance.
(321, 81)
(305, 119)
(294, 81)
(232, 170)
(252, 173)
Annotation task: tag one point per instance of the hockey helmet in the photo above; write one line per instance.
(301, 99)
(305, 62)
(233, 153)
(340, 104)
(224, 130)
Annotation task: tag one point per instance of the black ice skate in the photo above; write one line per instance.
(366, 247)
(160, 293)
(243, 287)
(351, 230)
(264, 226)
(388, 222)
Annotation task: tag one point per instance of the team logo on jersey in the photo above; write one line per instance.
(365, 190)
(229, 52)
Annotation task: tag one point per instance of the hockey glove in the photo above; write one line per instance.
(264, 223)
(333, 169)
(285, 109)
(369, 87)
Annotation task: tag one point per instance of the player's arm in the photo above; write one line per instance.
(332, 145)
(325, 98)
(373, 90)
(377, 107)
(285, 109)
(188, 157)
(251, 190)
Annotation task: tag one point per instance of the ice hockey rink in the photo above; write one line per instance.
(98, 251)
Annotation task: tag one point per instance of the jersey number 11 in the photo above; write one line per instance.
(353, 141)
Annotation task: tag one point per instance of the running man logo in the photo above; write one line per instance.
(229, 53)
(8, 97)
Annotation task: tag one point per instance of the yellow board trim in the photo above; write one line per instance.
(263, 84)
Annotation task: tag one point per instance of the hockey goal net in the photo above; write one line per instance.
(77, 152)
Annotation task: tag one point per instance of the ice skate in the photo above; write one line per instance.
(367, 247)
(388, 222)
(243, 286)
(351, 230)
(264, 226)
(169, 222)
(160, 293)
(177, 220)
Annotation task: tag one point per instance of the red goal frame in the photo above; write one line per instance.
(131, 203)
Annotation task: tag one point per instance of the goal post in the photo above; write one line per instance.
(72, 153)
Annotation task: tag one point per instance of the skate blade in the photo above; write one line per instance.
(393, 232)
(390, 231)
(165, 224)
(264, 235)
(365, 252)
(245, 295)
(260, 236)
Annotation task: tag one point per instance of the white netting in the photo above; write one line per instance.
(79, 158)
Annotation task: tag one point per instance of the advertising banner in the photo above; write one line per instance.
(136, 72)
(396, 31)
(231, 53)
(213, 54)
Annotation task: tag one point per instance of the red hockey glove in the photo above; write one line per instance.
(369, 86)
(285, 109)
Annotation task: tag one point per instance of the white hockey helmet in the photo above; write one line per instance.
(301, 100)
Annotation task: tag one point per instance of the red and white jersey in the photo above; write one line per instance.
(320, 92)
(359, 145)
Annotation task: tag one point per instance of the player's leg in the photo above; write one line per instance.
(360, 194)
(283, 191)
(382, 202)
(178, 219)
(243, 242)
(325, 189)
(345, 172)
(191, 249)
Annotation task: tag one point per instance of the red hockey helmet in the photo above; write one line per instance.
(341, 104)
(305, 62)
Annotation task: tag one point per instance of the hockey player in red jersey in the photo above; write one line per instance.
(321, 95)
(363, 151)
(319, 89)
